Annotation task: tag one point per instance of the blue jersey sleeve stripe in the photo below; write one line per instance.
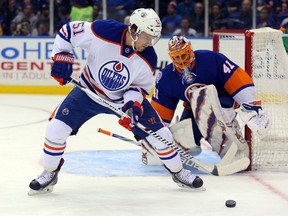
(68, 34)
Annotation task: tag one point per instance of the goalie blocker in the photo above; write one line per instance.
(218, 126)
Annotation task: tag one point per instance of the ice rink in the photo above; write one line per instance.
(104, 176)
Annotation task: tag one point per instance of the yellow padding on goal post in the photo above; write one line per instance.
(24, 89)
(272, 98)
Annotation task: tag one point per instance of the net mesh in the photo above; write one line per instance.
(270, 75)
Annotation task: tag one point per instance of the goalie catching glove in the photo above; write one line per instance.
(62, 68)
(134, 110)
(255, 117)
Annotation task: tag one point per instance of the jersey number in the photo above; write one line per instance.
(227, 67)
(78, 28)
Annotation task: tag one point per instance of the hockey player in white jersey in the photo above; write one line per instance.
(120, 64)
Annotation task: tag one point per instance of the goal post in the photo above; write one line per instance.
(262, 54)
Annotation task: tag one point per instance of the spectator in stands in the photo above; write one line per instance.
(217, 19)
(243, 18)
(9, 12)
(81, 10)
(185, 29)
(265, 19)
(23, 28)
(38, 4)
(197, 19)
(277, 5)
(148, 3)
(119, 9)
(230, 6)
(186, 8)
(44, 13)
(21, 19)
(43, 28)
(43, 21)
(96, 10)
(264, 3)
(172, 21)
(64, 15)
(282, 12)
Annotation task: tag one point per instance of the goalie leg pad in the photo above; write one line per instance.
(209, 116)
(183, 135)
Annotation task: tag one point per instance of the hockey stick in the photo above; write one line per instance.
(197, 164)
(117, 136)
(226, 166)
(100, 130)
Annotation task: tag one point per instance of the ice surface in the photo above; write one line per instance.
(98, 190)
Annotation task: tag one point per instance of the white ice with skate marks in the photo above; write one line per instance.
(21, 138)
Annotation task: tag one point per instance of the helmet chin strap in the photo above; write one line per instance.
(132, 43)
(133, 40)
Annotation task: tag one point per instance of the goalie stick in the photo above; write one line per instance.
(197, 164)
(226, 166)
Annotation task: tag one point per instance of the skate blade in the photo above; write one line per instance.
(191, 188)
(46, 190)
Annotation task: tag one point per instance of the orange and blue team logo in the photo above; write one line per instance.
(114, 75)
(189, 90)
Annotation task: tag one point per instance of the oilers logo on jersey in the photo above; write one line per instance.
(114, 75)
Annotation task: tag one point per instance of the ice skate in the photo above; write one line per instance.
(45, 182)
(186, 179)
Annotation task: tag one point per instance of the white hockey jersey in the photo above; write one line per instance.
(112, 68)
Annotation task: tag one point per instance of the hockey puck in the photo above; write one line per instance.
(230, 203)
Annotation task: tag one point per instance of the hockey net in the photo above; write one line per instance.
(261, 52)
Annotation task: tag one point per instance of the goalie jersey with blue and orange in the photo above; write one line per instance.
(232, 83)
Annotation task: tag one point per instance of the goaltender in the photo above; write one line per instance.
(211, 87)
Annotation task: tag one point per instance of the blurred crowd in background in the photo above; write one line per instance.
(185, 17)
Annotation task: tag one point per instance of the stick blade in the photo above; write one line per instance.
(234, 167)
(229, 156)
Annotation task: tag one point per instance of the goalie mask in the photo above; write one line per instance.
(145, 20)
(182, 55)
